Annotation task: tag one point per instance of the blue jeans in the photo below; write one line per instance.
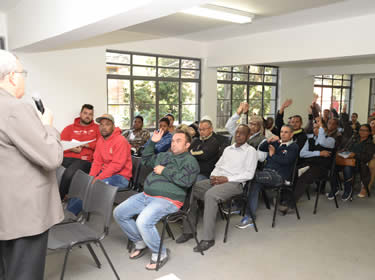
(265, 178)
(117, 181)
(201, 177)
(348, 176)
(150, 210)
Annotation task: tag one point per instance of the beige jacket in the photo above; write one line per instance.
(29, 155)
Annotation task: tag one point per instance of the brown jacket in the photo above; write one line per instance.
(29, 155)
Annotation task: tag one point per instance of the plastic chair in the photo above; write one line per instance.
(93, 229)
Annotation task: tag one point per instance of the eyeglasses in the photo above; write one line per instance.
(23, 72)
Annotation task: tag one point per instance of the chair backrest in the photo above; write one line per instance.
(224, 142)
(144, 171)
(333, 163)
(80, 186)
(59, 173)
(136, 161)
(99, 205)
(294, 176)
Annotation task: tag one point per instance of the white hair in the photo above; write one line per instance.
(8, 63)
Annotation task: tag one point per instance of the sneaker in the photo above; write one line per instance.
(346, 195)
(331, 196)
(245, 222)
(363, 193)
(233, 211)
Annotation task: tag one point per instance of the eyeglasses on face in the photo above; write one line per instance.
(23, 72)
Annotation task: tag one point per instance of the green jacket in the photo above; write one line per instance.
(179, 174)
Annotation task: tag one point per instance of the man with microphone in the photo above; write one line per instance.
(30, 152)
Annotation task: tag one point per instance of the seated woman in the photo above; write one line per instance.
(362, 150)
(165, 143)
(371, 164)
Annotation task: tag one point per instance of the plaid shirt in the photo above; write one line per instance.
(138, 138)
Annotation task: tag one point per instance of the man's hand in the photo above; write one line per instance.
(86, 145)
(240, 109)
(76, 150)
(159, 169)
(285, 105)
(217, 180)
(325, 153)
(213, 180)
(273, 139)
(156, 137)
(271, 150)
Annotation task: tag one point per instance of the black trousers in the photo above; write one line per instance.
(23, 258)
(71, 165)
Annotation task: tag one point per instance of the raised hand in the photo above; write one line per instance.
(285, 105)
(156, 137)
(245, 107)
(240, 109)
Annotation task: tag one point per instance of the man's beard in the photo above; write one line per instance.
(85, 122)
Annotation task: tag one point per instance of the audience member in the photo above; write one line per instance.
(193, 129)
(236, 166)
(255, 125)
(30, 152)
(83, 129)
(354, 123)
(164, 193)
(171, 127)
(137, 136)
(316, 157)
(282, 155)
(362, 150)
(112, 158)
(165, 143)
(205, 149)
(270, 129)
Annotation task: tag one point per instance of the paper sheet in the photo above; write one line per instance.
(67, 145)
(344, 154)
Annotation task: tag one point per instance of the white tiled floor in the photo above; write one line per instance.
(334, 244)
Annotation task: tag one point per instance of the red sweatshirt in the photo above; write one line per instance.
(81, 133)
(112, 156)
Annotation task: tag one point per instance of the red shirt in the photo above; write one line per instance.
(81, 133)
(112, 156)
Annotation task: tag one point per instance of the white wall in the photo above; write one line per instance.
(361, 90)
(69, 78)
(3, 27)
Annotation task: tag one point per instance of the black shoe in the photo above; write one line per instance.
(204, 245)
(184, 237)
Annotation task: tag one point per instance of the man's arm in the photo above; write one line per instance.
(326, 142)
(96, 164)
(164, 144)
(39, 143)
(207, 150)
(184, 176)
(148, 155)
(231, 124)
(305, 153)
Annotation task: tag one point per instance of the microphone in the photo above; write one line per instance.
(38, 102)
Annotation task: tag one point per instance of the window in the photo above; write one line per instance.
(256, 85)
(152, 86)
(333, 90)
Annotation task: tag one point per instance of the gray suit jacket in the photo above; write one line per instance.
(29, 154)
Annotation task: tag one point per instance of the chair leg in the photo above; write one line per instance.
(223, 217)
(254, 223)
(295, 205)
(94, 256)
(276, 206)
(108, 259)
(161, 243)
(368, 191)
(228, 220)
(193, 230)
(65, 262)
(337, 205)
(169, 231)
(317, 198)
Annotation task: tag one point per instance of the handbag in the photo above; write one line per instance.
(345, 161)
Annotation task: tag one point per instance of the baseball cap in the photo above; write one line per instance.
(105, 117)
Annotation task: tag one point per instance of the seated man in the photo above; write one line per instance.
(236, 166)
(315, 156)
(83, 129)
(112, 158)
(281, 157)
(165, 143)
(299, 136)
(164, 193)
(205, 149)
(255, 125)
(137, 137)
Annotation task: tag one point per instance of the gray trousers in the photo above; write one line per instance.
(211, 195)
(23, 258)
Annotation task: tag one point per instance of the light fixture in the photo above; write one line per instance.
(220, 13)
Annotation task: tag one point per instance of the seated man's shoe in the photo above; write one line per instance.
(184, 237)
(246, 221)
(204, 245)
(283, 209)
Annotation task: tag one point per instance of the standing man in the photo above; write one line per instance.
(164, 193)
(30, 152)
(112, 158)
(83, 129)
(137, 137)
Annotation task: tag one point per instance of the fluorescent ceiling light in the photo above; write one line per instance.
(220, 13)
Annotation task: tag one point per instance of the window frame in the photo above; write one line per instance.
(157, 79)
(248, 83)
